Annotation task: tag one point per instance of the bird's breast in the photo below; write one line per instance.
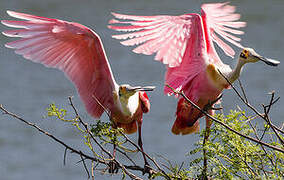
(126, 109)
(216, 78)
(133, 103)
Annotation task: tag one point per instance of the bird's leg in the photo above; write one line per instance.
(114, 144)
(209, 108)
(210, 104)
(147, 168)
(114, 126)
(206, 108)
(206, 137)
(113, 167)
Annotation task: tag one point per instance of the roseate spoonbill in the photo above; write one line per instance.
(185, 44)
(79, 53)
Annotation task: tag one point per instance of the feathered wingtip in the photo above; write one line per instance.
(223, 21)
(135, 24)
(28, 17)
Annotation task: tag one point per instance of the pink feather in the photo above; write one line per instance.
(70, 47)
(153, 31)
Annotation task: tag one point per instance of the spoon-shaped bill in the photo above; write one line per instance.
(268, 61)
(140, 88)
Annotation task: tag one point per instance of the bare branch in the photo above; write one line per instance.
(269, 123)
(126, 156)
(85, 167)
(243, 90)
(64, 157)
(105, 109)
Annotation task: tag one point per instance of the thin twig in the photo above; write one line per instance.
(246, 163)
(266, 154)
(243, 90)
(266, 110)
(85, 167)
(93, 170)
(126, 156)
(274, 130)
(105, 109)
(64, 157)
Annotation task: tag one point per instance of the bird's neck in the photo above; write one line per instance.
(234, 75)
(129, 104)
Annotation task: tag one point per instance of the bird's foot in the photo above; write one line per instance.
(148, 170)
(210, 104)
(113, 167)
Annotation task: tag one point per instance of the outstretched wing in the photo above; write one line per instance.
(178, 40)
(221, 19)
(168, 36)
(70, 47)
(165, 35)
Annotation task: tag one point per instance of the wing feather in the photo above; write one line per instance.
(164, 35)
(220, 17)
(70, 47)
(168, 35)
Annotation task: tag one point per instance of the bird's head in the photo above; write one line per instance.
(248, 55)
(125, 90)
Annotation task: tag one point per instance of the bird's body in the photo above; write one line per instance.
(185, 44)
(127, 112)
(79, 53)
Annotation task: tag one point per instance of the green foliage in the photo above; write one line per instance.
(231, 156)
(54, 111)
(107, 134)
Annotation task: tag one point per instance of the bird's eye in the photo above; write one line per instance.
(243, 55)
(245, 51)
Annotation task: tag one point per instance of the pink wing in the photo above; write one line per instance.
(165, 35)
(70, 47)
(168, 36)
(221, 18)
(194, 59)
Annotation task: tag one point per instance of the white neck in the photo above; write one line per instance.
(129, 105)
(234, 75)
